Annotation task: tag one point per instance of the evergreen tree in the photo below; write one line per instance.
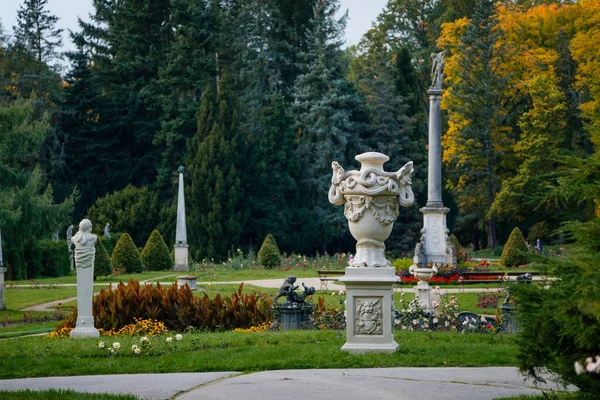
(28, 212)
(217, 204)
(36, 33)
(155, 255)
(327, 107)
(189, 66)
(475, 113)
(102, 264)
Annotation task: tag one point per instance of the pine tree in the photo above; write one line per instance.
(102, 264)
(27, 207)
(126, 255)
(475, 111)
(155, 255)
(217, 204)
(36, 33)
(326, 107)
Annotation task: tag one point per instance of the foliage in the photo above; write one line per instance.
(268, 254)
(560, 323)
(217, 208)
(102, 264)
(514, 249)
(28, 212)
(462, 254)
(132, 210)
(177, 308)
(155, 255)
(55, 259)
(488, 299)
(58, 394)
(126, 255)
(329, 317)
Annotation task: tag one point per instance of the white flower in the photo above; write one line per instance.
(341, 292)
(116, 345)
(402, 294)
(178, 337)
(591, 367)
(137, 350)
(437, 288)
(134, 347)
(169, 339)
(145, 339)
(333, 293)
(111, 350)
(101, 344)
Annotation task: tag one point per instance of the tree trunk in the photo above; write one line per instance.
(492, 233)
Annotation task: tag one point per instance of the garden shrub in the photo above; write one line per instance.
(126, 255)
(178, 308)
(560, 323)
(541, 230)
(462, 253)
(155, 254)
(110, 242)
(514, 250)
(102, 264)
(269, 255)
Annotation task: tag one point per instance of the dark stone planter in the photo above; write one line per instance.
(293, 315)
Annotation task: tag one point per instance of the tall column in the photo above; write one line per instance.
(434, 248)
(434, 175)
(181, 245)
(2, 271)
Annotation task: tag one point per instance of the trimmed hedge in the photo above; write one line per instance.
(514, 250)
(126, 255)
(155, 255)
(102, 264)
(48, 259)
(269, 255)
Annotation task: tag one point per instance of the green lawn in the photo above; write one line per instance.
(142, 276)
(243, 351)
(61, 395)
(18, 298)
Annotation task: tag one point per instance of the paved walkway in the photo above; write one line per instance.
(326, 384)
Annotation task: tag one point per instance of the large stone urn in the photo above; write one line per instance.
(372, 198)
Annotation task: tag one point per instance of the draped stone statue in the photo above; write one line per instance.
(107, 230)
(437, 69)
(85, 252)
(84, 241)
(69, 236)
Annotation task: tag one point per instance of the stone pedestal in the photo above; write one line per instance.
(369, 305)
(2, 271)
(181, 257)
(84, 326)
(187, 280)
(293, 315)
(423, 290)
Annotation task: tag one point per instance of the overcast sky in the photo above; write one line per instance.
(361, 14)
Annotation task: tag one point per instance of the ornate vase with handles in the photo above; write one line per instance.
(372, 198)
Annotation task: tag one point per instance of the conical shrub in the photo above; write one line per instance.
(102, 264)
(514, 250)
(155, 255)
(269, 255)
(126, 255)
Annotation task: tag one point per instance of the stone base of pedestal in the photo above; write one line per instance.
(435, 245)
(84, 327)
(181, 258)
(187, 280)
(290, 316)
(369, 305)
(423, 295)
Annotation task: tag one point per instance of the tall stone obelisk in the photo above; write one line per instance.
(181, 245)
(2, 271)
(435, 247)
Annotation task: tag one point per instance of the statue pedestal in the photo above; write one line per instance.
(181, 258)
(369, 305)
(293, 315)
(434, 239)
(191, 281)
(84, 326)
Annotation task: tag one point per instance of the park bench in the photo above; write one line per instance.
(468, 278)
(329, 276)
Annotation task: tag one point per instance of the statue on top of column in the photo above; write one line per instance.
(437, 69)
